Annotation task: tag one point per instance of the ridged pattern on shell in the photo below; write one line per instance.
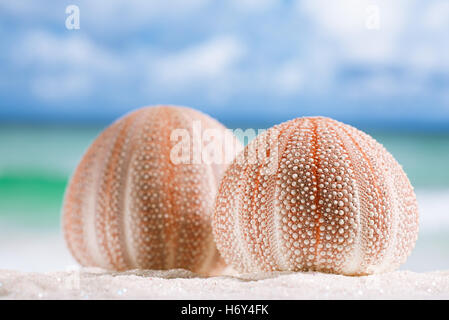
(128, 206)
(337, 202)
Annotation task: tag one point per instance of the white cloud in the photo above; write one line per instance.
(63, 66)
(436, 16)
(254, 5)
(423, 58)
(61, 86)
(346, 21)
(409, 38)
(202, 62)
(66, 67)
(426, 51)
(121, 16)
(289, 79)
(47, 49)
(301, 52)
(110, 15)
(29, 9)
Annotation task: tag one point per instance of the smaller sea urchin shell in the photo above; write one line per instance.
(326, 197)
(129, 206)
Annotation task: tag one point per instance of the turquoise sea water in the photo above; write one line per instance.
(36, 162)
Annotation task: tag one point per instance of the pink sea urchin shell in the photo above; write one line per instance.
(129, 206)
(336, 202)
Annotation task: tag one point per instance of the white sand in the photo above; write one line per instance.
(182, 284)
(33, 254)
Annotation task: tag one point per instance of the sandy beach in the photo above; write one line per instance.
(89, 283)
(37, 265)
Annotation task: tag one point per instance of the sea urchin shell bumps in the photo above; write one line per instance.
(327, 197)
(128, 205)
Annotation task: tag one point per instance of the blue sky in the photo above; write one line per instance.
(242, 61)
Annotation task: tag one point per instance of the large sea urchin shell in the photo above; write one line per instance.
(336, 201)
(129, 206)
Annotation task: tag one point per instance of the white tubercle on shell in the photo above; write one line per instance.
(336, 202)
(129, 206)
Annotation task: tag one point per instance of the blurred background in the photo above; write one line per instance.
(382, 66)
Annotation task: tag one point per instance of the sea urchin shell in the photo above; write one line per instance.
(129, 206)
(328, 198)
